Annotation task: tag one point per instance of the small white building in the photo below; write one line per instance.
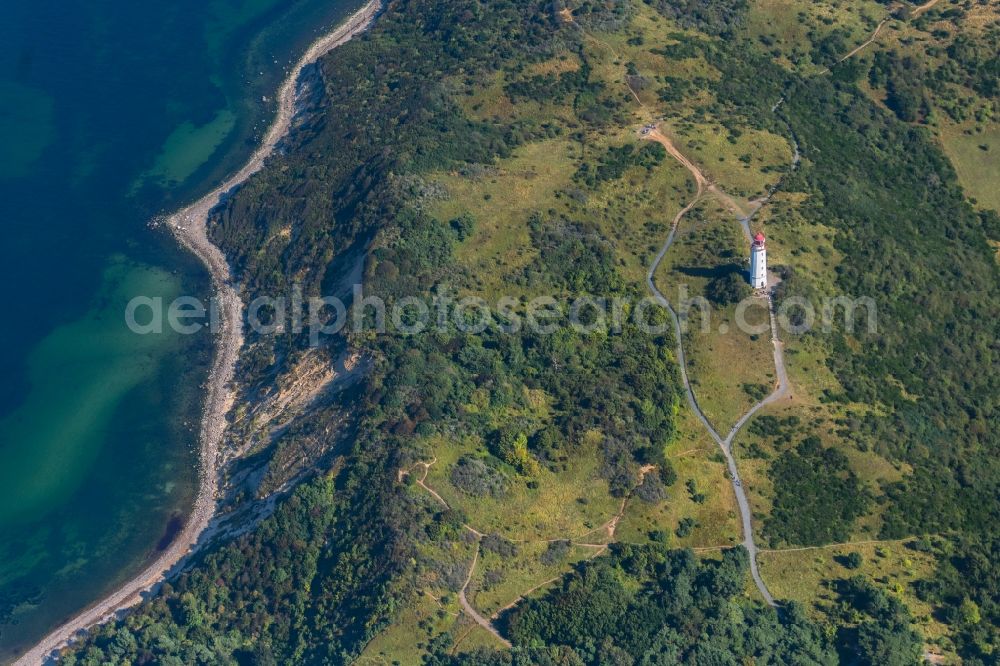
(758, 262)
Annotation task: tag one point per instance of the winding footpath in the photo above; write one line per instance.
(705, 186)
(860, 47)
(190, 227)
(467, 607)
(725, 444)
(916, 12)
(472, 612)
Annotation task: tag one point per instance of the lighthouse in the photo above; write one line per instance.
(758, 262)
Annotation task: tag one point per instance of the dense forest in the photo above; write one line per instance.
(650, 605)
(334, 564)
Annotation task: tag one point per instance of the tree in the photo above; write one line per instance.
(969, 612)
(512, 448)
(463, 225)
(727, 289)
(886, 635)
(612, 655)
(888, 642)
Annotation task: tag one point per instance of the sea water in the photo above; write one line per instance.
(111, 112)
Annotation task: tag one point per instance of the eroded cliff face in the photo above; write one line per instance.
(291, 426)
(292, 415)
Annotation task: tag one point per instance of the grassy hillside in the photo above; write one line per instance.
(547, 481)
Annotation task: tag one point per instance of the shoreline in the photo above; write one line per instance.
(189, 227)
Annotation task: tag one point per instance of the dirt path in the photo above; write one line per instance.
(472, 612)
(609, 528)
(781, 389)
(923, 8)
(867, 42)
(917, 11)
(422, 482)
(462, 598)
(841, 544)
(523, 595)
(567, 16)
(704, 186)
(699, 177)
(189, 225)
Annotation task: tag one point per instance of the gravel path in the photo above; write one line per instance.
(472, 612)
(779, 362)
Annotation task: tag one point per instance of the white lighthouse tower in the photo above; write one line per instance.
(758, 262)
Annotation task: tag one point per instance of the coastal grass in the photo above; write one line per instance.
(485, 97)
(809, 250)
(434, 608)
(564, 504)
(502, 198)
(637, 51)
(405, 641)
(745, 164)
(471, 637)
(975, 153)
(635, 211)
(499, 581)
(558, 64)
(790, 29)
(809, 576)
(695, 458)
(756, 454)
(963, 121)
(807, 247)
(731, 370)
(451, 557)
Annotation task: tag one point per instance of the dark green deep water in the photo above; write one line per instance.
(111, 111)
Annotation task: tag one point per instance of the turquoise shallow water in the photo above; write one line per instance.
(110, 112)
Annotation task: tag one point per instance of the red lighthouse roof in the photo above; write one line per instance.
(759, 237)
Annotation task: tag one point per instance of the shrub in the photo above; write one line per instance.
(555, 552)
(474, 477)
(651, 489)
(685, 527)
(499, 545)
(727, 289)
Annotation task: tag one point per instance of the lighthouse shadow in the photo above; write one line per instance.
(711, 273)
